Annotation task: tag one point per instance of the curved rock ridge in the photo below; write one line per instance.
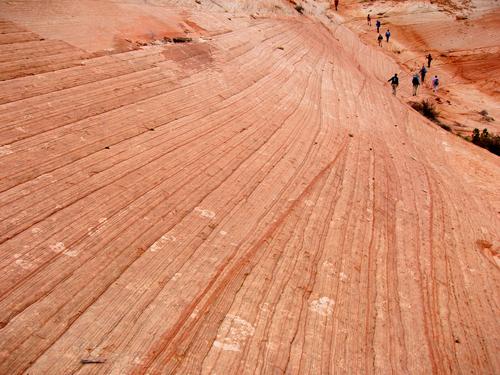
(252, 200)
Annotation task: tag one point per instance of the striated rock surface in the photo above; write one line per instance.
(254, 201)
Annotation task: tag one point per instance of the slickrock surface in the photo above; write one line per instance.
(254, 201)
(464, 40)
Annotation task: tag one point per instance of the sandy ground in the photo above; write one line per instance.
(254, 201)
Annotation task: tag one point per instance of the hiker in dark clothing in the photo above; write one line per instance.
(378, 24)
(429, 59)
(435, 83)
(336, 2)
(415, 82)
(369, 19)
(423, 72)
(380, 39)
(394, 80)
(387, 35)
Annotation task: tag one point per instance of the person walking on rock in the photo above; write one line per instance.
(415, 82)
(387, 35)
(378, 24)
(369, 19)
(380, 39)
(336, 2)
(394, 80)
(429, 60)
(423, 72)
(435, 83)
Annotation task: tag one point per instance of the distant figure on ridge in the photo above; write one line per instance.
(394, 80)
(415, 82)
(336, 2)
(378, 24)
(435, 83)
(380, 39)
(369, 19)
(387, 35)
(429, 59)
(423, 72)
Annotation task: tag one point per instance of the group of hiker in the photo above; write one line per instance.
(419, 76)
(417, 79)
(380, 38)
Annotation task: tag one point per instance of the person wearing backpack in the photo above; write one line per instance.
(423, 72)
(369, 19)
(380, 39)
(435, 83)
(429, 60)
(378, 24)
(415, 82)
(394, 80)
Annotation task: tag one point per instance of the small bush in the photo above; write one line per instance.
(444, 126)
(299, 8)
(485, 140)
(427, 109)
(486, 116)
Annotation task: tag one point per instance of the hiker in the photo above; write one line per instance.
(423, 72)
(378, 24)
(336, 2)
(394, 80)
(435, 83)
(380, 39)
(415, 82)
(369, 19)
(429, 59)
(387, 35)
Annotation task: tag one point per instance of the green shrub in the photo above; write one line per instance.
(485, 140)
(427, 109)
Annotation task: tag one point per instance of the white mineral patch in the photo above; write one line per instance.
(161, 242)
(5, 150)
(223, 233)
(71, 253)
(309, 203)
(176, 276)
(327, 264)
(35, 230)
(446, 146)
(233, 347)
(205, 213)
(58, 247)
(24, 264)
(323, 306)
(233, 331)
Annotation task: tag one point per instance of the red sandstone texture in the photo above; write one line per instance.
(253, 201)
